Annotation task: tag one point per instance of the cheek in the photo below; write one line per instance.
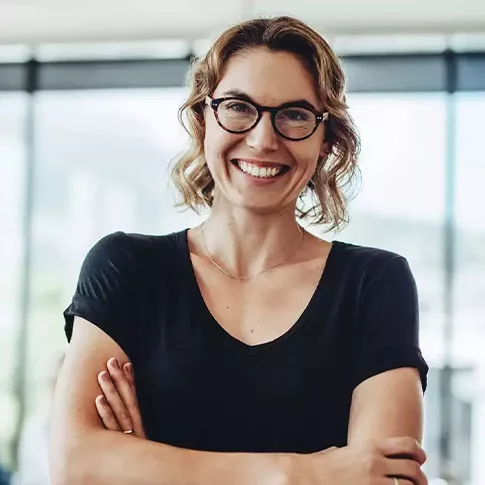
(311, 153)
(306, 157)
(217, 144)
(212, 145)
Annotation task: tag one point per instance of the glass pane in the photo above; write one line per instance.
(12, 156)
(102, 166)
(469, 285)
(400, 207)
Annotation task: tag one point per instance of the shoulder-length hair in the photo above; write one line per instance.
(333, 174)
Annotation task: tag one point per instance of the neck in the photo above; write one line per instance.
(245, 243)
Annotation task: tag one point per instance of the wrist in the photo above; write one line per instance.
(299, 468)
(312, 468)
(283, 466)
(267, 468)
(217, 468)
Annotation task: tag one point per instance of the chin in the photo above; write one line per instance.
(260, 207)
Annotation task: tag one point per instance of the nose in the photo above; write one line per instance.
(262, 137)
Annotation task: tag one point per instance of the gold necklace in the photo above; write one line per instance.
(247, 277)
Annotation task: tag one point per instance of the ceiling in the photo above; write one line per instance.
(40, 21)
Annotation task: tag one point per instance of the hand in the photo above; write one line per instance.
(118, 407)
(366, 464)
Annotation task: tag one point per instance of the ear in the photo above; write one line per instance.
(325, 150)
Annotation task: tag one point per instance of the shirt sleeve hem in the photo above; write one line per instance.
(390, 359)
(90, 310)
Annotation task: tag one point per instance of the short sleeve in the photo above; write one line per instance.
(106, 293)
(387, 332)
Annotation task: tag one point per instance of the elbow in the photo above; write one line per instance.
(63, 474)
(67, 465)
(66, 472)
(60, 476)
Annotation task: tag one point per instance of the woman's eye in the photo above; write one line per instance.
(239, 107)
(296, 115)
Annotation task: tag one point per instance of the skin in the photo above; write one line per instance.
(248, 73)
(252, 226)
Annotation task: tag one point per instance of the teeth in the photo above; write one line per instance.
(261, 172)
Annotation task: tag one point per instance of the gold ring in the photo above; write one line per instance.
(131, 431)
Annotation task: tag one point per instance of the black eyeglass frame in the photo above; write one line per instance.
(319, 117)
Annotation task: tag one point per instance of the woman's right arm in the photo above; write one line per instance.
(83, 451)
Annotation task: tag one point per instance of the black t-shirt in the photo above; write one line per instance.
(201, 388)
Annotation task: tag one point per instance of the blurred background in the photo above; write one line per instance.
(89, 93)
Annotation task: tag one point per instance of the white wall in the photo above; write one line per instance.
(90, 20)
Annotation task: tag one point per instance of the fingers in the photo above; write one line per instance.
(121, 389)
(406, 470)
(106, 415)
(128, 372)
(402, 481)
(404, 447)
(133, 407)
(114, 390)
(122, 383)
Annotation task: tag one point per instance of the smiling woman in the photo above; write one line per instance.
(246, 350)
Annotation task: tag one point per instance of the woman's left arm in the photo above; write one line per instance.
(387, 405)
(388, 370)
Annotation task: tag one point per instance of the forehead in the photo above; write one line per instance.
(270, 78)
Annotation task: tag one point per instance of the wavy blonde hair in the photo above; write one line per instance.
(333, 174)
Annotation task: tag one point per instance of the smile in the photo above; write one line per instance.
(260, 172)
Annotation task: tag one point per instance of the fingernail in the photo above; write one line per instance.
(130, 370)
(115, 363)
(102, 400)
(104, 376)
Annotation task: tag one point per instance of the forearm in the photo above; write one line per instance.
(108, 458)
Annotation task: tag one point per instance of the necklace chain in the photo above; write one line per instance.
(247, 277)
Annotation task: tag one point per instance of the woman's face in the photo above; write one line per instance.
(269, 79)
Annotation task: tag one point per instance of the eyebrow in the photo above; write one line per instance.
(303, 103)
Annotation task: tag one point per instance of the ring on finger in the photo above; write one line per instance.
(130, 431)
(396, 481)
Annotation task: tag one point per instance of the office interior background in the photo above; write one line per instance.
(89, 94)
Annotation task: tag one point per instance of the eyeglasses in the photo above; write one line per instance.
(291, 121)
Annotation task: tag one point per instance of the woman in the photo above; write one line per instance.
(261, 353)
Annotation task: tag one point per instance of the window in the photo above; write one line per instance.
(102, 166)
(12, 157)
(400, 206)
(101, 157)
(469, 282)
